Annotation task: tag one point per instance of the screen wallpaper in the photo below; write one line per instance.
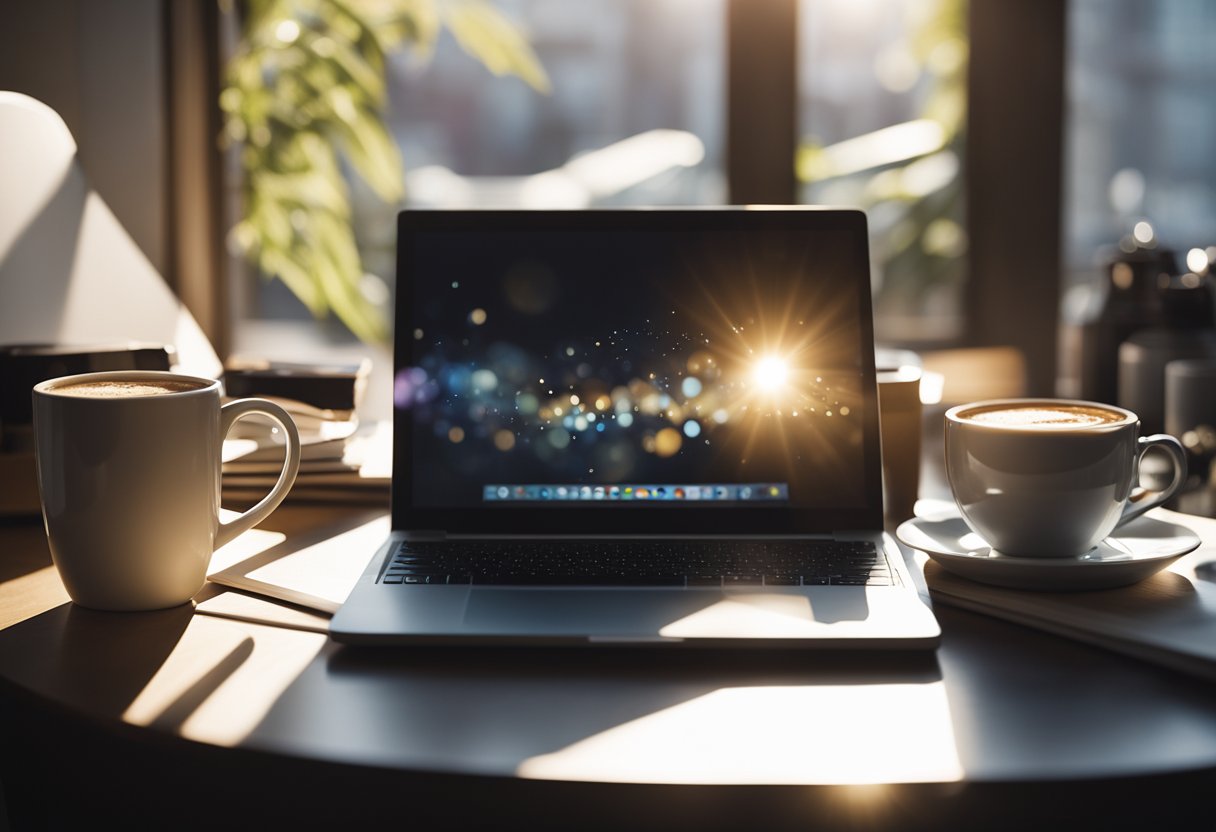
(632, 369)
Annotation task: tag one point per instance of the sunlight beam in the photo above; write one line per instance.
(771, 373)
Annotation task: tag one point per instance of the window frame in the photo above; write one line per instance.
(195, 233)
(1013, 167)
(1013, 199)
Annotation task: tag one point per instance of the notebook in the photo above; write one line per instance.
(636, 427)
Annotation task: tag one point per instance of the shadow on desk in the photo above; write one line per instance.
(63, 770)
(611, 714)
(100, 774)
(95, 660)
(25, 551)
(437, 738)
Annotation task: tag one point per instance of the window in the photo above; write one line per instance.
(634, 116)
(1141, 127)
(882, 103)
(640, 112)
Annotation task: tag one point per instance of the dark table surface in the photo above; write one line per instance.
(190, 720)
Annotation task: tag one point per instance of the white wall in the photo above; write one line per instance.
(100, 64)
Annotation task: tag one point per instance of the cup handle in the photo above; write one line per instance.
(229, 413)
(1142, 501)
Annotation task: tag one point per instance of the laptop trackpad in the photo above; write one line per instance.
(618, 612)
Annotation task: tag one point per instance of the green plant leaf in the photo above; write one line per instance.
(306, 83)
(416, 22)
(374, 154)
(286, 266)
(360, 63)
(338, 268)
(494, 40)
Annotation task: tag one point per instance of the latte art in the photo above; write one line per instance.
(119, 389)
(1046, 416)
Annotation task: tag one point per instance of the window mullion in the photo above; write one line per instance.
(762, 90)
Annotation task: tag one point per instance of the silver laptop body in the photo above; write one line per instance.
(585, 400)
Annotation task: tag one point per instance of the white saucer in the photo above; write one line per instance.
(1135, 551)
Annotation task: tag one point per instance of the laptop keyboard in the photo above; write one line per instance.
(676, 563)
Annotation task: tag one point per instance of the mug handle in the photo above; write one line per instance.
(229, 413)
(1144, 500)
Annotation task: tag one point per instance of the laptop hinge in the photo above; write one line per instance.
(852, 534)
(426, 534)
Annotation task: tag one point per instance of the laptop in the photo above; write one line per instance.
(636, 427)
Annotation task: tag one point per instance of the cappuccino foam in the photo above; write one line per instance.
(119, 389)
(1042, 415)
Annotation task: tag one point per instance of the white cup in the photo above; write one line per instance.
(1050, 485)
(129, 475)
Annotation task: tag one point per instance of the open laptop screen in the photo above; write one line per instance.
(708, 366)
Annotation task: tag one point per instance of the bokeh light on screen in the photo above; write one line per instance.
(411, 386)
(626, 366)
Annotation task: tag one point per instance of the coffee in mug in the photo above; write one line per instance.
(1042, 415)
(1050, 477)
(129, 475)
(124, 389)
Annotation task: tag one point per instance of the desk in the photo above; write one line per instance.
(175, 718)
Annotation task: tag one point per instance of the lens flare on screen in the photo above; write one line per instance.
(779, 342)
(771, 373)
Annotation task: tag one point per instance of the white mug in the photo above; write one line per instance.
(129, 475)
(1050, 477)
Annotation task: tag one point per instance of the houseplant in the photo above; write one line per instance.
(304, 99)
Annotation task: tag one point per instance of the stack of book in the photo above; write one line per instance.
(342, 460)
